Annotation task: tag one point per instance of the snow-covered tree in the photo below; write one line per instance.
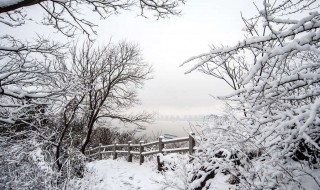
(108, 79)
(275, 73)
(34, 91)
(28, 83)
(29, 90)
(66, 17)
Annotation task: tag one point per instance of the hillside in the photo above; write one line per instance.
(122, 175)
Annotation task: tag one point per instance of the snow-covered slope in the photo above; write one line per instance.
(122, 175)
(118, 175)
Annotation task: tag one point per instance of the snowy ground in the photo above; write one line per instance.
(119, 175)
(122, 175)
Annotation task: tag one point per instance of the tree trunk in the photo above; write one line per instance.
(18, 5)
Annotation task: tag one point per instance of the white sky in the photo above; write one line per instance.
(166, 43)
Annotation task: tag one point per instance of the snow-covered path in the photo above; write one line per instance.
(118, 175)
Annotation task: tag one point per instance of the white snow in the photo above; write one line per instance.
(122, 175)
(119, 175)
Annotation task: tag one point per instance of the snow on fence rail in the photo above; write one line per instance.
(99, 151)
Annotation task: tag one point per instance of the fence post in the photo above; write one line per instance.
(160, 144)
(192, 142)
(160, 164)
(129, 152)
(141, 151)
(160, 151)
(114, 151)
(100, 155)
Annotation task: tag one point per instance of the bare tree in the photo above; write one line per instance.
(39, 105)
(108, 78)
(66, 17)
(31, 87)
(108, 136)
(26, 82)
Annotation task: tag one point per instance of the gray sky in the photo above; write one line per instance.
(167, 43)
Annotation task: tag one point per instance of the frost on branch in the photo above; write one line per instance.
(67, 16)
(108, 78)
(275, 73)
(44, 107)
(31, 83)
(27, 83)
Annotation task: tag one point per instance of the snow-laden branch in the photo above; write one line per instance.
(64, 15)
(276, 95)
(306, 42)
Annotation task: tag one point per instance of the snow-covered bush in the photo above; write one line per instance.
(219, 152)
(228, 155)
(275, 74)
(26, 165)
(216, 159)
(229, 148)
(73, 166)
(34, 79)
(175, 171)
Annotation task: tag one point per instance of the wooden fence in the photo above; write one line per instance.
(139, 149)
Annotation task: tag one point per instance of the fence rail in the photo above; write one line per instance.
(99, 151)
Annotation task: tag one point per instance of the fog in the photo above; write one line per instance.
(166, 44)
